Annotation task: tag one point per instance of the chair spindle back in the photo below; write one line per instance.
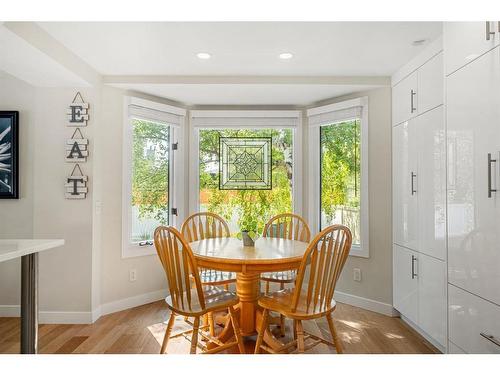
(324, 259)
(179, 264)
(289, 226)
(204, 225)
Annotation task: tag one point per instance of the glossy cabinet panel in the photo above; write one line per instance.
(431, 276)
(469, 316)
(404, 173)
(473, 132)
(404, 95)
(431, 183)
(431, 84)
(466, 41)
(405, 294)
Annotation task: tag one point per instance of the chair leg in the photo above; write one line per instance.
(211, 323)
(194, 338)
(206, 321)
(262, 330)
(237, 331)
(267, 287)
(333, 332)
(170, 324)
(226, 287)
(282, 325)
(300, 336)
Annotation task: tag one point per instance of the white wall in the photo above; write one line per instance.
(16, 215)
(115, 284)
(376, 283)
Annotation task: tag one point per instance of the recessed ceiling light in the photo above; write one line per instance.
(419, 42)
(285, 55)
(203, 55)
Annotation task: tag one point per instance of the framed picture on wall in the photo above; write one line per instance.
(9, 155)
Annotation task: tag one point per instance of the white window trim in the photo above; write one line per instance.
(201, 119)
(155, 109)
(361, 250)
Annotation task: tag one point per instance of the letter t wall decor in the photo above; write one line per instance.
(77, 149)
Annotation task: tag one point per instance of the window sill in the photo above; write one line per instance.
(132, 251)
(358, 251)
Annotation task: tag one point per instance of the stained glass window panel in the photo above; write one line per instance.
(245, 163)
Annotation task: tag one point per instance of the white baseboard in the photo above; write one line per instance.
(49, 317)
(134, 301)
(366, 303)
(86, 317)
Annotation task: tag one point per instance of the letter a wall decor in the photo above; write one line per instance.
(77, 149)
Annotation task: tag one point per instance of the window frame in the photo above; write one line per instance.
(314, 213)
(149, 111)
(243, 119)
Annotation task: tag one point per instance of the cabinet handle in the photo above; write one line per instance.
(498, 26)
(488, 31)
(413, 259)
(412, 94)
(413, 175)
(490, 338)
(490, 161)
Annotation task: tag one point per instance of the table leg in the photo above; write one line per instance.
(247, 288)
(29, 304)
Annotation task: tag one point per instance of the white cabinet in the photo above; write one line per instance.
(404, 156)
(404, 96)
(419, 292)
(431, 275)
(431, 181)
(474, 323)
(419, 196)
(466, 41)
(430, 91)
(473, 121)
(405, 293)
(419, 92)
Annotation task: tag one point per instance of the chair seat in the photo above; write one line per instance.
(213, 277)
(215, 299)
(280, 277)
(281, 302)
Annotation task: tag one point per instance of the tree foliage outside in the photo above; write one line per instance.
(150, 177)
(341, 175)
(247, 209)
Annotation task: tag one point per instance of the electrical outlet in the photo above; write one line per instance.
(357, 274)
(133, 275)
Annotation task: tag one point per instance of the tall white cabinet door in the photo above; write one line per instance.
(405, 220)
(473, 122)
(404, 99)
(432, 183)
(431, 84)
(431, 276)
(465, 41)
(405, 293)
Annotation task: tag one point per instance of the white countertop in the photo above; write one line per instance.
(10, 249)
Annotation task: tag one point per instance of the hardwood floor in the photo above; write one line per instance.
(141, 329)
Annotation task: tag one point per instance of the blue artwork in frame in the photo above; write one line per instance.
(9, 155)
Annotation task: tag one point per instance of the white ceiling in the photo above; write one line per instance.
(244, 48)
(20, 59)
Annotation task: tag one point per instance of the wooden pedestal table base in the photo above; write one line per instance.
(249, 314)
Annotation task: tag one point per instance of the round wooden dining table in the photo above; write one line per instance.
(229, 254)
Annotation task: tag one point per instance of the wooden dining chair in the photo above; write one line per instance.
(293, 227)
(179, 264)
(204, 225)
(312, 295)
